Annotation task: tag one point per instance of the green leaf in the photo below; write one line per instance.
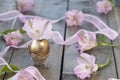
(6, 69)
(11, 30)
(22, 31)
(1, 34)
(8, 31)
(101, 66)
(113, 2)
(102, 38)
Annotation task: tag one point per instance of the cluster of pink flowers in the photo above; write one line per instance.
(14, 38)
(86, 41)
(37, 28)
(74, 18)
(104, 6)
(86, 63)
(86, 66)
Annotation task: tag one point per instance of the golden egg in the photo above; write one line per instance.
(40, 47)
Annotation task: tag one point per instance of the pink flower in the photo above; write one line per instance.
(86, 66)
(104, 6)
(86, 41)
(13, 38)
(25, 5)
(74, 18)
(113, 79)
(38, 28)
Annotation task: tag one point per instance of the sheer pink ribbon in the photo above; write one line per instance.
(2, 53)
(31, 70)
(88, 34)
(3, 62)
(34, 72)
(100, 25)
(16, 14)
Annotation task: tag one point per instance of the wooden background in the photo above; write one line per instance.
(62, 59)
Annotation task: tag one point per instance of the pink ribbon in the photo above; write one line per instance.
(3, 62)
(2, 53)
(56, 36)
(35, 73)
(32, 72)
(16, 14)
(99, 24)
(74, 39)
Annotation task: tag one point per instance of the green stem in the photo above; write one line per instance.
(107, 44)
(113, 2)
(106, 64)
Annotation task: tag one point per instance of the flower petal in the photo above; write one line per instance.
(81, 71)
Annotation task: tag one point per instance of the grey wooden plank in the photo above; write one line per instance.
(52, 9)
(101, 53)
(114, 22)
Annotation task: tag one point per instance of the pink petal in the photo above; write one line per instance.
(14, 38)
(86, 58)
(81, 71)
(74, 18)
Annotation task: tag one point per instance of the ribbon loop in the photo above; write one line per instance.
(101, 26)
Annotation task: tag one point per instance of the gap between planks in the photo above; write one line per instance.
(62, 59)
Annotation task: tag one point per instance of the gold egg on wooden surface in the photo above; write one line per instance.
(40, 47)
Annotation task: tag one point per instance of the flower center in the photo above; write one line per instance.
(87, 66)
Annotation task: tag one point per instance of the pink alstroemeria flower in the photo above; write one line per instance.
(104, 6)
(14, 38)
(113, 79)
(38, 28)
(86, 66)
(74, 18)
(86, 41)
(25, 5)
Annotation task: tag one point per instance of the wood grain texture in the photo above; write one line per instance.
(52, 9)
(101, 53)
(114, 22)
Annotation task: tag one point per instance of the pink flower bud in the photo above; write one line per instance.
(74, 18)
(13, 38)
(104, 6)
(25, 5)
